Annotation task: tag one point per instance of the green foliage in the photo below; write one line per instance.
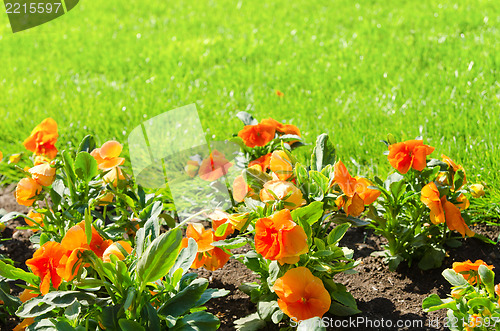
(472, 304)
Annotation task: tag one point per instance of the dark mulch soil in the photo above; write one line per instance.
(382, 295)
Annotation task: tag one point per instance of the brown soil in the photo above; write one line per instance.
(380, 293)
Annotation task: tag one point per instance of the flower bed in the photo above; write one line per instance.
(111, 254)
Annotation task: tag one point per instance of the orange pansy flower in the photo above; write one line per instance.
(75, 242)
(352, 205)
(43, 174)
(279, 93)
(26, 190)
(356, 191)
(301, 294)
(431, 198)
(443, 210)
(257, 135)
(343, 179)
(45, 263)
(214, 167)
(107, 156)
(114, 250)
(278, 237)
(497, 291)
(281, 165)
(38, 218)
(218, 218)
(203, 237)
(43, 138)
(283, 191)
(469, 270)
(263, 162)
(367, 194)
(1, 156)
(409, 154)
(75, 237)
(210, 257)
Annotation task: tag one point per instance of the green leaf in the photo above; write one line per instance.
(152, 316)
(312, 324)
(231, 243)
(434, 302)
(277, 316)
(246, 118)
(159, 257)
(197, 321)
(42, 325)
(209, 294)
(186, 258)
(73, 311)
(57, 299)
(85, 166)
(343, 218)
(185, 299)
(433, 258)
(320, 244)
(482, 302)
(454, 278)
(129, 325)
(10, 302)
(310, 213)
(63, 326)
(265, 309)
(10, 272)
(337, 233)
(344, 297)
(488, 278)
(321, 180)
(323, 153)
(87, 144)
(88, 226)
(10, 216)
(247, 288)
(322, 253)
(251, 322)
(221, 230)
(301, 174)
(339, 309)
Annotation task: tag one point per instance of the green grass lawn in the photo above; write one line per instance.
(356, 70)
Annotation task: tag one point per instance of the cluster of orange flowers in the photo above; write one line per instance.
(262, 133)
(42, 142)
(54, 261)
(413, 154)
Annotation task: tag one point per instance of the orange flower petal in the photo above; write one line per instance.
(111, 149)
(454, 220)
